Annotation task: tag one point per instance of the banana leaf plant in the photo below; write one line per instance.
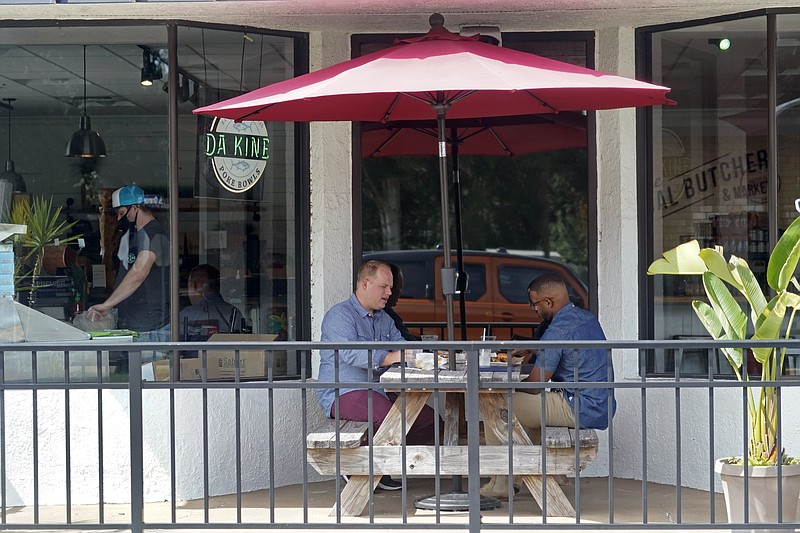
(770, 318)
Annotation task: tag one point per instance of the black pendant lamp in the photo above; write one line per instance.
(10, 172)
(85, 142)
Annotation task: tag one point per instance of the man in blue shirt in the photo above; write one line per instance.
(362, 318)
(594, 407)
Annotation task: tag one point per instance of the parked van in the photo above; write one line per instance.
(497, 291)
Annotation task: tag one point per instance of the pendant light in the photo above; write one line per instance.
(85, 142)
(10, 174)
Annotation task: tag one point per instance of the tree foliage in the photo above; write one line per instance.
(533, 202)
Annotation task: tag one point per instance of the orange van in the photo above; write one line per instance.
(497, 290)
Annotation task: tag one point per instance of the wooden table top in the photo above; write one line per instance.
(417, 375)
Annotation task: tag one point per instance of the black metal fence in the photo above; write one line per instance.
(168, 447)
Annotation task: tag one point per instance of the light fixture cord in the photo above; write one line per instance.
(84, 80)
(9, 128)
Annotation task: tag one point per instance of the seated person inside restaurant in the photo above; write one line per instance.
(567, 322)
(362, 317)
(208, 313)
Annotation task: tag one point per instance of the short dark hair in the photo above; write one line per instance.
(397, 288)
(549, 280)
(210, 273)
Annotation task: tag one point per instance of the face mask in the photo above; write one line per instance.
(123, 224)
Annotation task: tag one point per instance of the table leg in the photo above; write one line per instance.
(452, 418)
(495, 413)
(356, 493)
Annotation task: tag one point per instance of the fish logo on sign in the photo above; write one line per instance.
(238, 151)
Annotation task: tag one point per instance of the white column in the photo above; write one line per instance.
(618, 246)
(618, 237)
(331, 195)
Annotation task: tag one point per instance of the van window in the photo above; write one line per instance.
(514, 281)
(417, 280)
(477, 281)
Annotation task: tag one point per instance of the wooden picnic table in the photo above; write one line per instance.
(387, 451)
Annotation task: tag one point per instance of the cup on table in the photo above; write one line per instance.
(429, 338)
(485, 358)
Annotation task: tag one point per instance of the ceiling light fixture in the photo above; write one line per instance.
(723, 43)
(151, 69)
(10, 173)
(84, 142)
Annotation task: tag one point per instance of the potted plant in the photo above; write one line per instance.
(763, 318)
(43, 228)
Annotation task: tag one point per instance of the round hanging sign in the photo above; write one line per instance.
(238, 152)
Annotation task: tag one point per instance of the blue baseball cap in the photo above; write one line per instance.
(127, 195)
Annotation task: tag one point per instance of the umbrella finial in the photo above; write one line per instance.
(436, 21)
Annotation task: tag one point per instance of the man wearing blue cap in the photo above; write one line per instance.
(141, 292)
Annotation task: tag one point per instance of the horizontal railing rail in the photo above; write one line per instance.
(84, 448)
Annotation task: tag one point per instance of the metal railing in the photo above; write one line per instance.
(84, 449)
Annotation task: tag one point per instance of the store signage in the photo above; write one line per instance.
(238, 151)
(735, 177)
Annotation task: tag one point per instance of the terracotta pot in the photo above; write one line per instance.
(763, 493)
(56, 257)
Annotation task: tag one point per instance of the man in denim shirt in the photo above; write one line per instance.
(362, 318)
(550, 300)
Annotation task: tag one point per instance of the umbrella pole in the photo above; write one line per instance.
(461, 279)
(448, 275)
(456, 499)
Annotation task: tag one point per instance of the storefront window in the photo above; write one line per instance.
(710, 178)
(246, 230)
(236, 187)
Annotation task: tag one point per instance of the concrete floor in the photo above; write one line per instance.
(288, 509)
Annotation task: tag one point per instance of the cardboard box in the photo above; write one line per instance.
(222, 363)
(156, 370)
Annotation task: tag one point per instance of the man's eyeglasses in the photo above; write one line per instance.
(534, 304)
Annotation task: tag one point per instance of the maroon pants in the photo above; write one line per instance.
(353, 406)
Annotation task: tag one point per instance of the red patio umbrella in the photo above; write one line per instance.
(498, 136)
(440, 75)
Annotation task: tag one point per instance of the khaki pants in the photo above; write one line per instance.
(528, 410)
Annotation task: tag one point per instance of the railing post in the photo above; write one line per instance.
(472, 408)
(137, 443)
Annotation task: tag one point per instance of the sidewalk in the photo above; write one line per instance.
(255, 508)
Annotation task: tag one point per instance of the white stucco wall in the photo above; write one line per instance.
(289, 444)
(617, 239)
(331, 195)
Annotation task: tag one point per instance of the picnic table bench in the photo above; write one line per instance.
(557, 456)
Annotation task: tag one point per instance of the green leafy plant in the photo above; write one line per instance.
(44, 226)
(726, 319)
(277, 323)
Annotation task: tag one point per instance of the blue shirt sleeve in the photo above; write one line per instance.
(344, 323)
